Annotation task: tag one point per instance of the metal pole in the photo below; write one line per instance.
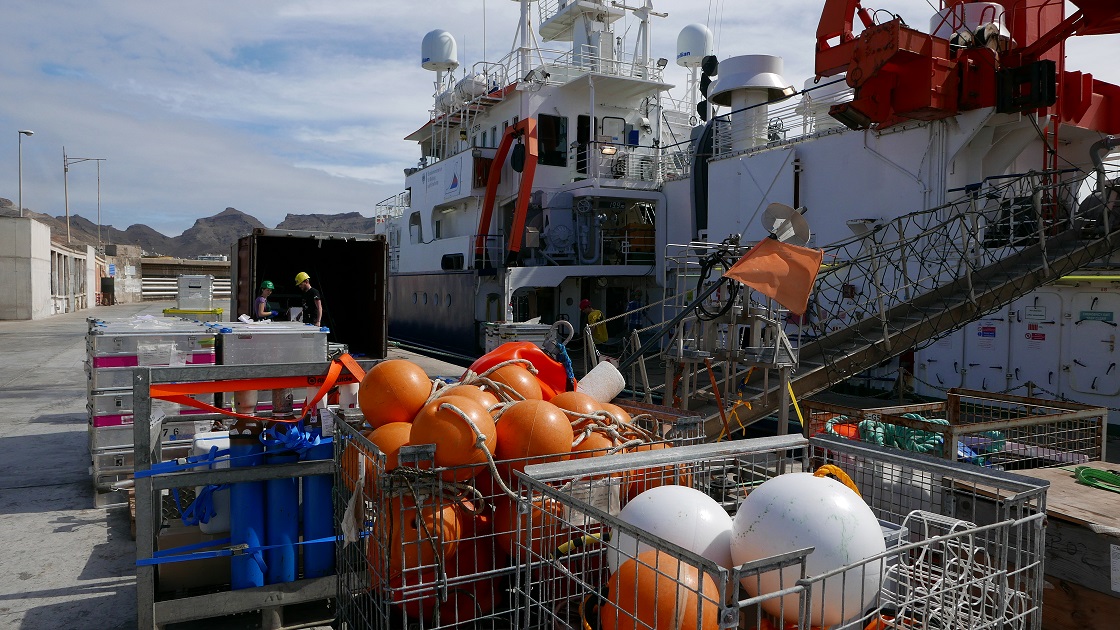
(99, 206)
(20, 134)
(66, 193)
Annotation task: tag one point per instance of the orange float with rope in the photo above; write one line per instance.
(393, 391)
(462, 431)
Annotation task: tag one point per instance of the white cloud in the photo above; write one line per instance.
(296, 106)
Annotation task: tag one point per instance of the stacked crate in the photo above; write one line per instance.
(114, 348)
(269, 343)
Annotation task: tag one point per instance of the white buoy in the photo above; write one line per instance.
(681, 515)
(602, 383)
(796, 511)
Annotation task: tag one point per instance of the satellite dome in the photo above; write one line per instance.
(693, 44)
(438, 52)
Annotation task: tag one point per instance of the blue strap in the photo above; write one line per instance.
(176, 554)
(202, 509)
(566, 361)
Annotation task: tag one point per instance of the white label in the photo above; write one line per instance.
(603, 494)
(1115, 567)
(328, 424)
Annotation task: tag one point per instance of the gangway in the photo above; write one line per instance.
(886, 290)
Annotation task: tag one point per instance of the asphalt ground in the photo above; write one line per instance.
(66, 563)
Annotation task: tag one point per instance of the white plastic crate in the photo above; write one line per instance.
(498, 333)
(971, 552)
(195, 293)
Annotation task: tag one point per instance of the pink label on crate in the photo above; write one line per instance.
(125, 360)
(132, 360)
(115, 420)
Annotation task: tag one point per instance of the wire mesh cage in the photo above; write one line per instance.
(991, 430)
(428, 547)
(948, 545)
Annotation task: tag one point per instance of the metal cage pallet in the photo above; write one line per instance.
(991, 430)
(967, 550)
(268, 604)
(429, 548)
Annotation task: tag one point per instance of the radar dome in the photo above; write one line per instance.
(438, 52)
(693, 44)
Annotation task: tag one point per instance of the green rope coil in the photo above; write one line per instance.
(1096, 478)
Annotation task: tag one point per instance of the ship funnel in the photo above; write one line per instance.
(693, 44)
(438, 52)
(747, 84)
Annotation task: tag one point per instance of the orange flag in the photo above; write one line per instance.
(779, 270)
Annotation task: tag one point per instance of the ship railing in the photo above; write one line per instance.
(610, 160)
(911, 273)
(394, 206)
(780, 121)
(888, 264)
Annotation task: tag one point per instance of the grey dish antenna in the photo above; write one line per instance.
(786, 224)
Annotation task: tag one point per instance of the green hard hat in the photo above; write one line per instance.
(267, 284)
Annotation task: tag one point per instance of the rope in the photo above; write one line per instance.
(1096, 478)
(829, 470)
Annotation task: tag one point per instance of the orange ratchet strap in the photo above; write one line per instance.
(180, 392)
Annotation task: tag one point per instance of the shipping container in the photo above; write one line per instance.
(349, 270)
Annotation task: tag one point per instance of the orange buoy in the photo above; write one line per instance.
(474, 392)
(389, 438)
(543, 528)
(593, 445)
(532, 429)
(655, 590)
(519, 380)
(353, 457)
(641, 479)
(407, 536)
(456, 443)
(393, 391)
(577, 403)
(619, 413)
(473, 594)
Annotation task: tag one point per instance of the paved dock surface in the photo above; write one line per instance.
(66, 564)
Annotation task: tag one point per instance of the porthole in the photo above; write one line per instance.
(415, 297)
(448, 300)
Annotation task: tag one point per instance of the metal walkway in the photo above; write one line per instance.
(901, 283)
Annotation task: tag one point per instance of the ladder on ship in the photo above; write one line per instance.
(921, 276)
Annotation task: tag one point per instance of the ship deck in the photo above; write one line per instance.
(68, 563)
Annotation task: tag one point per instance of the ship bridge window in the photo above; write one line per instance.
(415, 230)
(552, 140)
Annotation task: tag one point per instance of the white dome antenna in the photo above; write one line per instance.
(693, 44)
(438, 52)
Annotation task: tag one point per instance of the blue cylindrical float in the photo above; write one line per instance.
(247, 517)
(282, 508)
(318, 523)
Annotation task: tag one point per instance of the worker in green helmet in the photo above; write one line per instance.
(263, 310)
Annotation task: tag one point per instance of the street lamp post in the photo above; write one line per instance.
(66, 162)
(20, 134)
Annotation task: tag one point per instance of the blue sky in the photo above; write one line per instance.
(288, 106)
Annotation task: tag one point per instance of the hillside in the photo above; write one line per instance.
(210, 235)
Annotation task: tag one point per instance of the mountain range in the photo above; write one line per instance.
(210, 235)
